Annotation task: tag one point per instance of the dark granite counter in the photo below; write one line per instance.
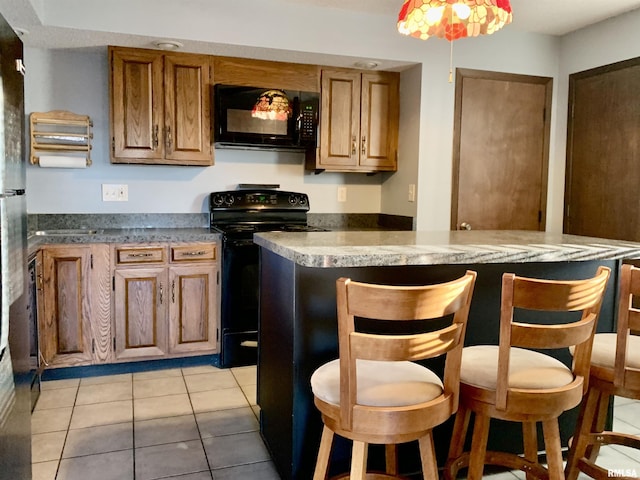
(120, 235)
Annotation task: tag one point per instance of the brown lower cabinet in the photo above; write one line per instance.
(75, 292)
(106, 303)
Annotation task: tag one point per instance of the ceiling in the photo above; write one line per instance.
(552, 17)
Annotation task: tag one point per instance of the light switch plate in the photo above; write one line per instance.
(412, 192)
(115, 193)
(342, 194)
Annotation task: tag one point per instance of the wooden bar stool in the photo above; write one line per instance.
(615, 370)
(375, 393)
(515, 382)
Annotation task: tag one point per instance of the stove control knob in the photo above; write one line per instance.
(293, 199)
(217, 199)
(303, 200)
(229, 199)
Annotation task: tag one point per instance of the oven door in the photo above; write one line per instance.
(239, 305)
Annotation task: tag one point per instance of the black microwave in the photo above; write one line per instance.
(251, 117)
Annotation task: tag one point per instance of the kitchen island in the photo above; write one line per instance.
(298, 325)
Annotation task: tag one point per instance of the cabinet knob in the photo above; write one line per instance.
(465, 226)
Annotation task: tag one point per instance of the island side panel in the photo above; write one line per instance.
(275, 357)
(313, 335)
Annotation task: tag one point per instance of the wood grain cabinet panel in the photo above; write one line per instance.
(140, 312)
(160, 107)
(74, 326)
(358, 122)
(192, 325)
(165, 305)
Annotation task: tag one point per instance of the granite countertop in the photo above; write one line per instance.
(122, 235)
(364, 248)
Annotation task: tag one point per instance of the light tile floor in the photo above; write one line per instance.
(192, 423)
(196, 423)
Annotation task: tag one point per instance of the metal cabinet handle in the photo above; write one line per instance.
(194, 254)
(168, 139)
(173, 292)
(465, 226)
(353, 145)
(139, 255)
(161, 294)
(364, 146)
(155, 137)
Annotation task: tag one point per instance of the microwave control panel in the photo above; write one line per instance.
(309, 122)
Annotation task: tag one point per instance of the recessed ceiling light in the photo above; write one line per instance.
(168, 44)
(366, 64)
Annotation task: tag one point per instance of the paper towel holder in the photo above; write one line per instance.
(60, 132)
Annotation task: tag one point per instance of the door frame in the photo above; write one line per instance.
(461, 74)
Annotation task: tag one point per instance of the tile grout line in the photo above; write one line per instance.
(133, 429)
(195, 419)
(66, 435)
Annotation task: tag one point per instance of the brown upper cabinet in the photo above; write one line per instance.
(160, 107)
(358, 121)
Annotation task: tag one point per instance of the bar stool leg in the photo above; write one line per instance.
(478, 447)
(601, 419)
(359, 461)
(391, 459)
(322, 463)
(580, 439)
(530, 439)
(459, 434)
(552, 447)
(428, 457)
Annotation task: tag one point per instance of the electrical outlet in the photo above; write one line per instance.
(342, 194)
(115, 193)
(412, 192)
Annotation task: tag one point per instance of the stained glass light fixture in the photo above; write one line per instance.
(453, 19)
(272, 105)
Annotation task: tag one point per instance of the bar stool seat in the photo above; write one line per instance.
(615, 371)
(604, 351)
(379, 383)
(527, 369)
(376, 392)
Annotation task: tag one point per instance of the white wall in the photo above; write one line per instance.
(77, 80)
(608, 42)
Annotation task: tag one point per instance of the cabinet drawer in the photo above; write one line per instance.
(191, 253)
(129, 255)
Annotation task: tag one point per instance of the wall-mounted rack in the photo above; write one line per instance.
(59, 133)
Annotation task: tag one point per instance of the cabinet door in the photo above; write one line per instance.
(340, 119)
(137, 103)
(379, 118)
(65, 331)
(193, 308)
(140, 306)
(187, 80)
